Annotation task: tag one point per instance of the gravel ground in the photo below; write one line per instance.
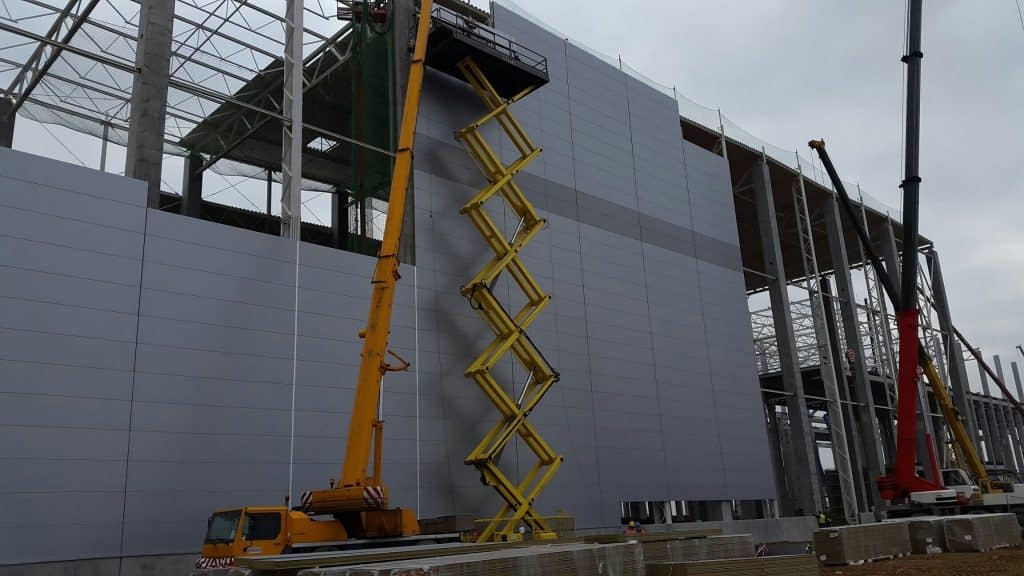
(995, 563)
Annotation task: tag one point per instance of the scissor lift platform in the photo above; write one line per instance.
(511, 67)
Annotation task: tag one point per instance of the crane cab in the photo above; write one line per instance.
(967, 490)
(264, 531)
(250, 531)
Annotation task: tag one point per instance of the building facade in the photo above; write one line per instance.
(147, 368)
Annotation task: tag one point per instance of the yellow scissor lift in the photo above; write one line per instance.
(479, 54)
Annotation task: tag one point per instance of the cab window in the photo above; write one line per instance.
(953, 478)
(262, 526)
(221, 527)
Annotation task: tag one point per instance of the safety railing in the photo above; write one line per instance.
(491, 38)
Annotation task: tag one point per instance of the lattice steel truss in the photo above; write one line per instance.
(73, 63)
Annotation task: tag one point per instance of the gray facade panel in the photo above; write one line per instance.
(190, 350)
(69, 273)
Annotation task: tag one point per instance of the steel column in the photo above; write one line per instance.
(1016, 379)
(986, 431)
(870, 436)
(145, 148)
(849, 407)
(291, 127)
(192, 186)
(991, 424)
(1018, 420)
(779, 460)
(1010, 431)
(890, 253)
(807, 488)
(826, 363)
(1015, 438)
(984, 450)
(339, 218)
(954, 354)
(7, 118)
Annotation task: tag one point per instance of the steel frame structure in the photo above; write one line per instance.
(73, 64)
(823, 346)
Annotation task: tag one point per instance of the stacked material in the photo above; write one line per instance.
(927, 535)
(555, 560)
(710, 548)
(446, 524)
(801, 565)
(652, 536)
(980, 532)
(863, 543)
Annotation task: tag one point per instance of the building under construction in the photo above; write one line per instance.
(165, 353)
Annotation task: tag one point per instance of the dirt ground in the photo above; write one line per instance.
(994, 563)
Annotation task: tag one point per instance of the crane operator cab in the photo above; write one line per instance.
(264, 531)
(248, 531)
(967, 490)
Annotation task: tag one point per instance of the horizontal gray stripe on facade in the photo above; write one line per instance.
(449, 161)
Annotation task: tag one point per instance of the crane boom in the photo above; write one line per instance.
(358, 490)
(373, 364)
(966, 450)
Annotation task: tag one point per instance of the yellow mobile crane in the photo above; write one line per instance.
(356, 506)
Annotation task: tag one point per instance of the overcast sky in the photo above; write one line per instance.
(791, 70)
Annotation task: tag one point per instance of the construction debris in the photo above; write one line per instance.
(863, 543)
(981, 532)
(800, 565)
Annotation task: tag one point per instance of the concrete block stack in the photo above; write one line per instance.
(693, 549)
(799, 565)
(623, 559)
(927, 535)
(862, 543)
(981, 532)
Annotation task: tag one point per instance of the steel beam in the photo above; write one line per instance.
(870, 437)
(807, 488)
(45, 55)
(145, 149)
(292, 142)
